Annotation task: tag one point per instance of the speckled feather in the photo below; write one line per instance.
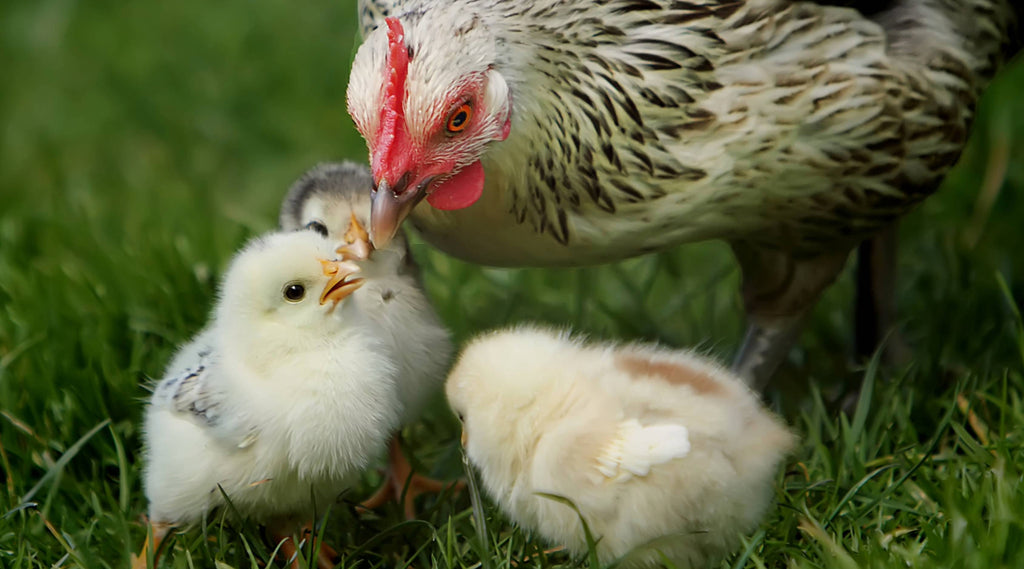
(638, 124)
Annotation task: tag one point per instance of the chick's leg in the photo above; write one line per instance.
(779, 291)
(157, 532)
(281, 533)
(400, 478)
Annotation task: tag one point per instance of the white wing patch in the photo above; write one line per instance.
(636, 448)
(193, 393)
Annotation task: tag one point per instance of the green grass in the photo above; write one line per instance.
(141, 143)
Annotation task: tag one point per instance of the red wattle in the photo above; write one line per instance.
(461, 190)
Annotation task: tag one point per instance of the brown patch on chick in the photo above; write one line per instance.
(669, 372)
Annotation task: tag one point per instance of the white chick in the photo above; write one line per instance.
(646, 442)
(280, 403)
(334, 199)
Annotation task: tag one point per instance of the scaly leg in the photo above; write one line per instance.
(765, 345)
(875, 305)
(156, 534)
(779, 291)
(399, 478)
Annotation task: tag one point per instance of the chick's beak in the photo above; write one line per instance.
(390, 207)
(357, 242)
(339, 285)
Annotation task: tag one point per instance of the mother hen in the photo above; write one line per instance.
(573, 132)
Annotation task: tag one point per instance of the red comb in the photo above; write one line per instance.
(398, 55)
(391, 114)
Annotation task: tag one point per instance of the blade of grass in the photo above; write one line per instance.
(592, 556)
(479, 521)
(63, 461)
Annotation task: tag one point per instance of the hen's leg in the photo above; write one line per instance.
(779, 291)
(875, 308)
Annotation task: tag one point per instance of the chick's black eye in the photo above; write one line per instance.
(318, 227)
(294, 292)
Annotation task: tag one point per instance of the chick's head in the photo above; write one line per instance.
(284, 290)
(330, 199)
(325, 196)
(504, 387)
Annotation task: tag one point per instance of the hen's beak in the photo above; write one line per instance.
(339, 285)
(390, 207)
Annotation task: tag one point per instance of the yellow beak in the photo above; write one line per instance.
(357, 242)
(339, 285)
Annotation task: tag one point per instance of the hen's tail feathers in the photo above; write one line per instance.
(978, 34)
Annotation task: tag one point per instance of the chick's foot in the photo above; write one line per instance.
(401, 481)
(326, 556)
(158, 531)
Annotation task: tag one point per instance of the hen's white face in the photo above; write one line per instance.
(428, 102)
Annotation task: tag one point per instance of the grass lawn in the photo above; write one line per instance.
(141, 143)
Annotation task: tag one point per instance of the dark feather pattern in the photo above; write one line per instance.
(803, 126)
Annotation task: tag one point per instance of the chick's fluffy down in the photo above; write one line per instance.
(645, 441)
(279, 403)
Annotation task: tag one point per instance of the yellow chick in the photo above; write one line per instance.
(646, 442)
(331, 199)
(279, 404)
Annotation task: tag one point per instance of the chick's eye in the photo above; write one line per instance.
(318, 227)
(459, 119)
(294, 292)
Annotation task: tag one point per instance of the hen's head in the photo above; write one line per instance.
(428, 103)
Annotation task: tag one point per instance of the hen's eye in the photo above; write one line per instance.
(459, 119)
(294, 292)
(318, 227)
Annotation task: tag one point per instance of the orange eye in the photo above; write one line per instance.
(459, 120)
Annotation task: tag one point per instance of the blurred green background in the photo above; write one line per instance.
(141, 143)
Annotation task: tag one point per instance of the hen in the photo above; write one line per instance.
(554, 133)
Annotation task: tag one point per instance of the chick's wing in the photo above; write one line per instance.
(635, 448)
(192, 394)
